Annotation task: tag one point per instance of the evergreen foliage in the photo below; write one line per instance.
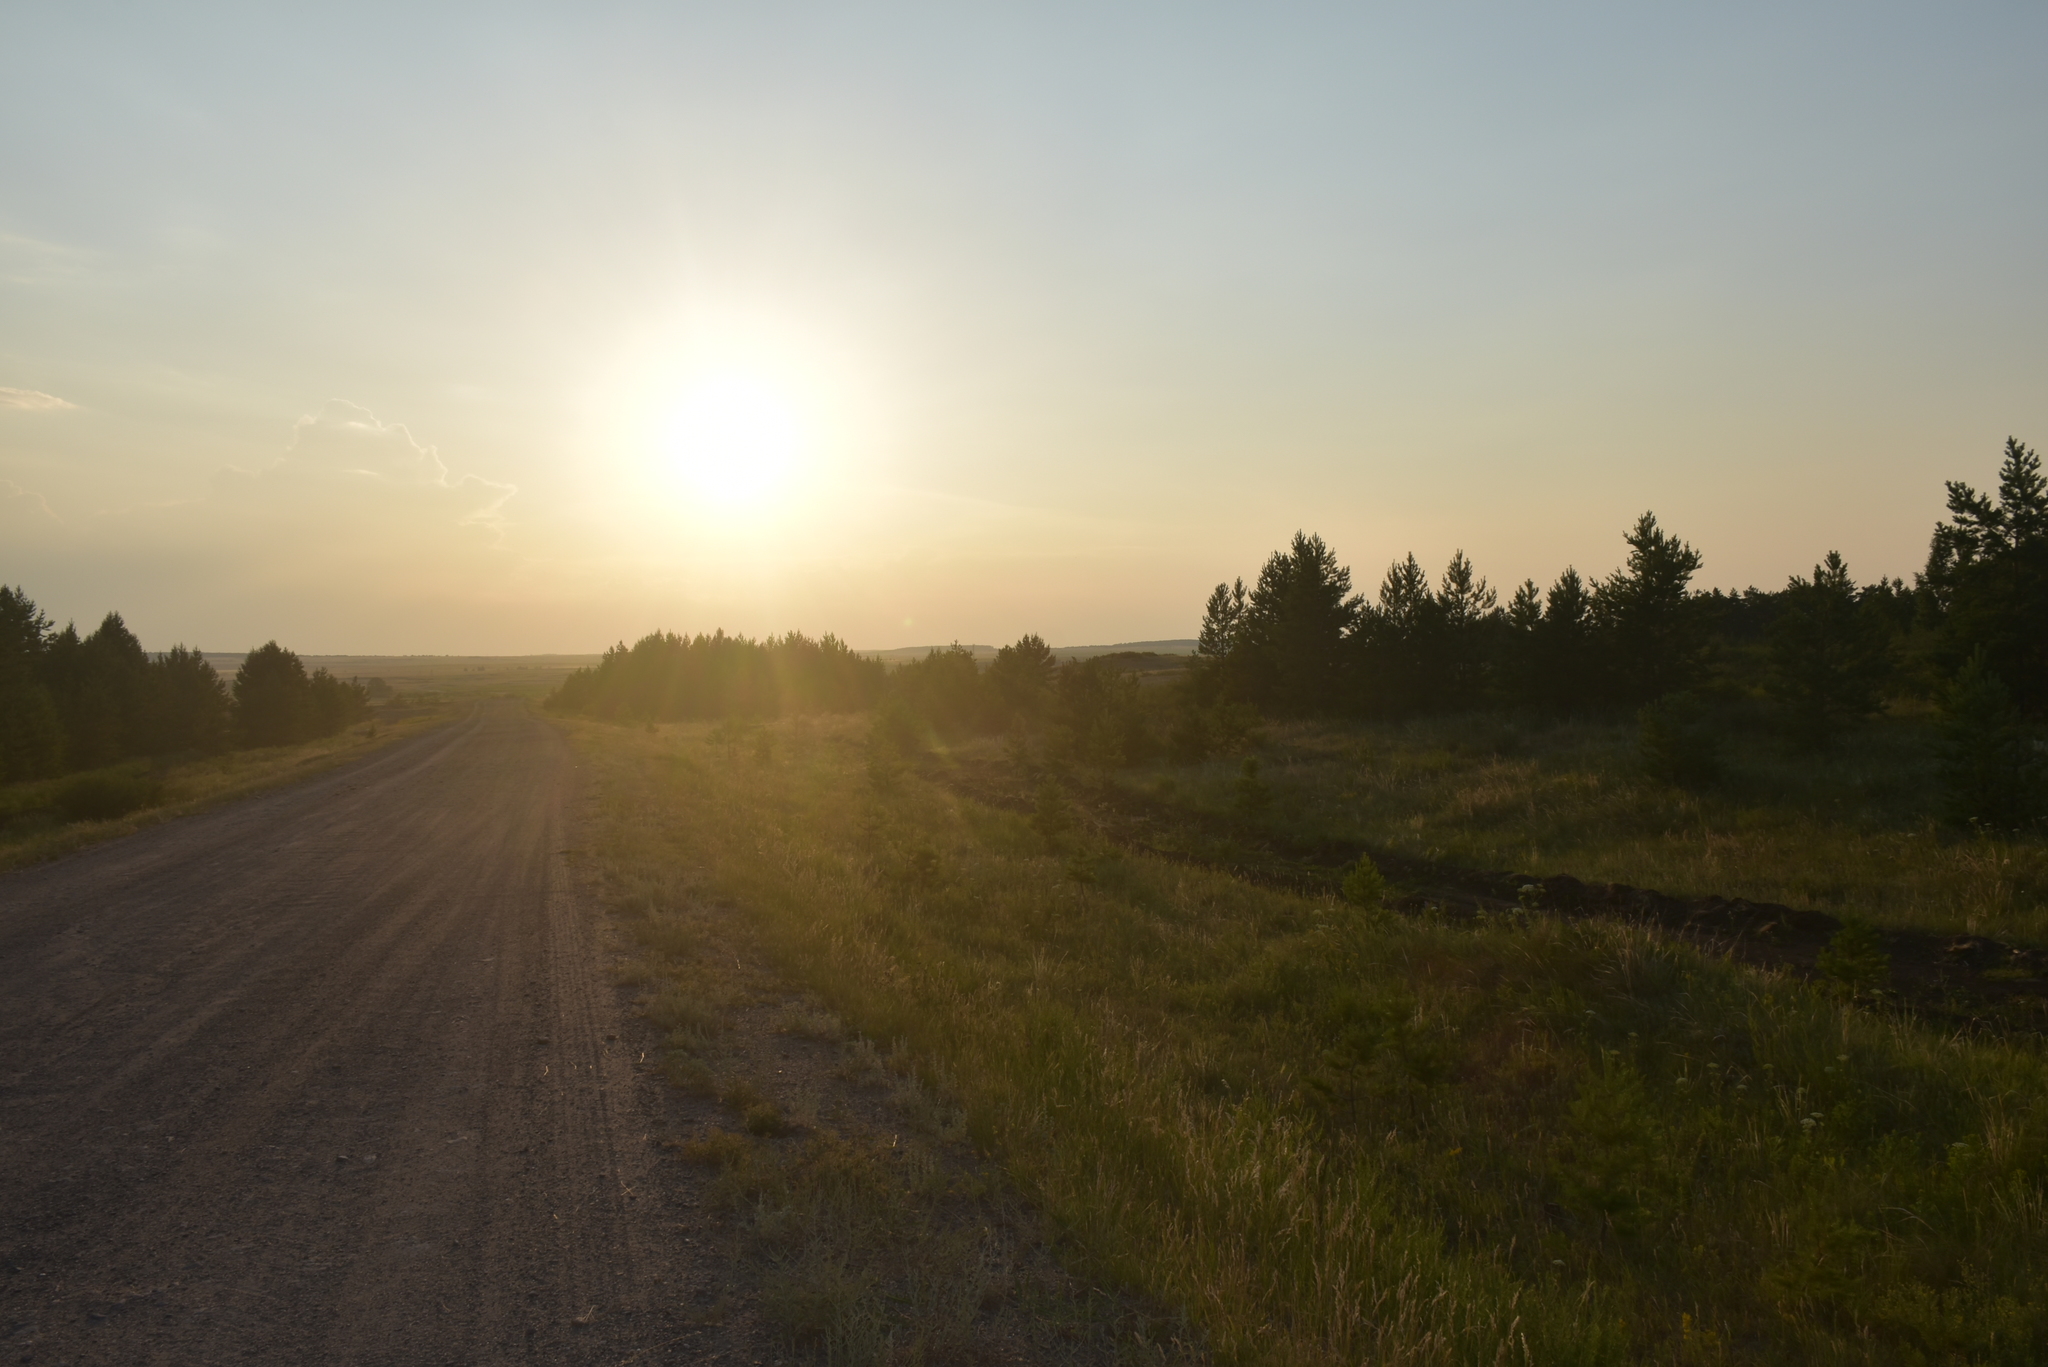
(1280, 645)
(1023, 676)
(1855, 960)
(1991, 768)
(278, 703)
(1678, 740)
(1820, 655)
(192, 712)
(1828, 653)
(1653, 624)
(1364, 885)
(273, 697)
(1986, 582)
(666, 677)
(31, 733)
(70, 702)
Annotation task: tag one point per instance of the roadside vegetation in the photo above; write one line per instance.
(858, 1225)
(43, 818)
(98, 736)
(1236, 970)
(1328, 1132)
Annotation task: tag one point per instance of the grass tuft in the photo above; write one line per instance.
(1327, 1133)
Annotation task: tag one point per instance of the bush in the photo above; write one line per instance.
(1991, 771)
(1678, 742)
(104, 796)
(1364, 884)
(273, 697)
(1253, 797)
(1051, 816)
(1855, 960)
(31, 733)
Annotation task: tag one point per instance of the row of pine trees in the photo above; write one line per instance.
(666, 677)
(70, 702)
(1813, 659)
(1824, 650)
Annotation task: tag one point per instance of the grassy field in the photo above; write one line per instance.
(1848, 833)
(1325, 1133)
(34, 826)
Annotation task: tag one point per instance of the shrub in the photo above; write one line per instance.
(273, 697)
(1990, 769)
(1051, 815)
(1364, 885)
(1253, 796)
(1855, 960)
(104, 796)
(1678, 742)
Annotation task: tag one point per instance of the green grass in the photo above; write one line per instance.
(1328, 1134)
(46, 818)
(1847, 833)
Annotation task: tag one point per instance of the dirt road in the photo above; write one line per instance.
(332, 1075)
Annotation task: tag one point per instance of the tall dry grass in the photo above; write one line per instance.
(1847, 832)
(1331, 1135)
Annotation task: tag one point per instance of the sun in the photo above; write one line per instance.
(734, 438)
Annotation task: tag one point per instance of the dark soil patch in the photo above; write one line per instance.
(1965, 982)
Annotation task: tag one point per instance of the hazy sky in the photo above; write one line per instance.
(503, 329)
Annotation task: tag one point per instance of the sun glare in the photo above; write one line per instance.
(734, 439)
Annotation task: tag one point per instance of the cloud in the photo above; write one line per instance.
(26, 518)
(32, 399)
(344, 455)
(350, 528)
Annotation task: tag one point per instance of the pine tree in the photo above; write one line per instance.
(1991, 772)
(1525, 609)
(1399, 641)
(190, 711)
(1987, 578)
(1649, 615)
(1021, 676)
(333, 704)
(1827, 654)
(1566, 672)
(100, 684)
(1469, 609)
(273, 697)
(1291, 635)
(31, 734)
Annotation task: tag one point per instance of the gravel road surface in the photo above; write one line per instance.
(333, 1075)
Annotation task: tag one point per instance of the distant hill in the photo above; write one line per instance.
(903, 654)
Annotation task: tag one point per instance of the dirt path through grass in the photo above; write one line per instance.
(337, 1075)
(362, 1071)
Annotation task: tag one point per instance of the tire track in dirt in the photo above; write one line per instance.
(335, 1075)
(1964, 982)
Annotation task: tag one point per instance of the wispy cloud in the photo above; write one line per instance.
(21, 507)
(32, 399)
(363, 473)
(346, 438)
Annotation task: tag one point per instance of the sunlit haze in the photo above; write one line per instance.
(507, 329)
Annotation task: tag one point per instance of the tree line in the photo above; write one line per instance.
(1826, 650)
(666, 677)
(1092, 708)
(70, 702)
(1812, 659)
